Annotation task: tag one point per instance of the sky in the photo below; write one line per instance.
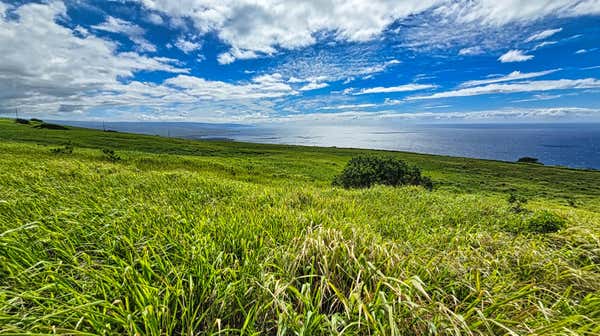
(291, 61)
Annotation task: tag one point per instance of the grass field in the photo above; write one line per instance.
(188, 237)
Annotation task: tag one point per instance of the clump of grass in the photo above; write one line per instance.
(517, 203)
(110, 155)
(366, 171)
(67, 149)
(545, 222)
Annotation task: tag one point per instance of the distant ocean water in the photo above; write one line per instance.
(571, 145)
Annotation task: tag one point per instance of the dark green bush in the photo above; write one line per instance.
(365, 171)
(527, 159)
(22, 121)
(36, 120)
(545, 222)
(110, 155)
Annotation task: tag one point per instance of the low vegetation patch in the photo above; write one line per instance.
(45, 125)
(67, 149)
(213, 238)
(366, 171)
(22, 121)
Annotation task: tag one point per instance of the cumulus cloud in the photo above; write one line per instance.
(543, 35)
(513, 76)
(514, 56)
(46, 67)
(41, 58)
(134, 32)
(400, 88)
(264, 26)
(528, 86)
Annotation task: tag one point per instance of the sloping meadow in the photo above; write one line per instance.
(149, 245)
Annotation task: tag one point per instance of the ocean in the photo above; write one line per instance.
(575, 145)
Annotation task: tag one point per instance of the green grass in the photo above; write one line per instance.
(186, 237)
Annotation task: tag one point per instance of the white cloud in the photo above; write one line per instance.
(41, 58)
(513, 76)
(471, 51)
(538, 97)
(134, 32)
(530, 86)
(155, 19)
(49, 68)
(544, 44)
(348, 107)
(400, 88)
(512, 114)
(266, 86)
(514, 56)
(543, 35)
(313, 86)
(263, 27)
(187, 46)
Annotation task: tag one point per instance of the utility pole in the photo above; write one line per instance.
(16, 112)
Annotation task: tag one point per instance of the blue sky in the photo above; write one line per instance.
(327, 61)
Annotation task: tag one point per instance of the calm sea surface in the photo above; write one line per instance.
(572, 145)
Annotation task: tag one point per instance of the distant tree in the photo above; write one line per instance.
(527, 159)
(36, 120)
(365, 171)
(22, 121)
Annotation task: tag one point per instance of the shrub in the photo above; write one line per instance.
(51, 126)
(527, 159)
(110, 155)
(36, 120)
(365, 171)
(22, 121)
(67, 149)
(545, 222)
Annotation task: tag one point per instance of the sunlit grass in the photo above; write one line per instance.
(249, 240)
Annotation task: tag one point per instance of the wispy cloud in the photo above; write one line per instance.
(543, 35)
(313, 86)
(530, 86)
(348, 107)
(134, 32)
(514, 56)
(400, 88)
(513, 76)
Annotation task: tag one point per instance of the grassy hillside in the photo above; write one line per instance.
(186, 237)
